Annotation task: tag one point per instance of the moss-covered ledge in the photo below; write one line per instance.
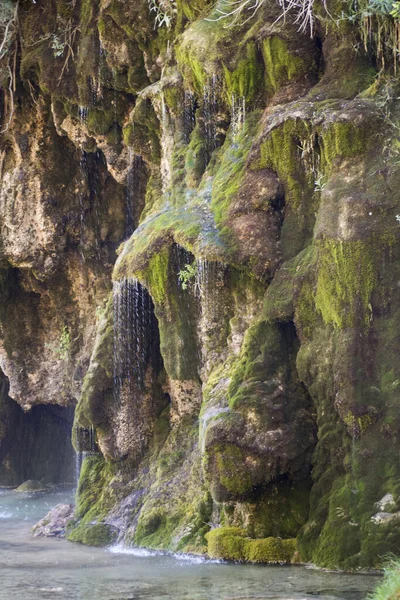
(231, 543)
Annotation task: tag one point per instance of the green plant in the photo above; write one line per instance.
(165, 11)
(379, 7)
(188, 275)
(389, 588)
(57, 46)
(319, 183)
(64, 344)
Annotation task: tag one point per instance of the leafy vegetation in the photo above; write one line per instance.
(389, 588)
(187, 275)
(165, 11)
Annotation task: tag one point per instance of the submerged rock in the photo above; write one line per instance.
(55, 522)
(32, 486)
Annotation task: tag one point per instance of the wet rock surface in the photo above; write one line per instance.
(54, 524)
(199, 263)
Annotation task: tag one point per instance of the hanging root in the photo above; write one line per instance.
(12, 106)
(304, 10)
(9, 20)
(9, 29)
(235, 9)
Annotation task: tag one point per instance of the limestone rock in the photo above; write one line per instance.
(55, 522)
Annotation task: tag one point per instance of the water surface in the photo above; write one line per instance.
(38, 568)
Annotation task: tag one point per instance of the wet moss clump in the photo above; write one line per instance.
(94, 500)
(231, 543)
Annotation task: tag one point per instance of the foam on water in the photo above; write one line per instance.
(131, 551)
(5, 515)
(145, 553)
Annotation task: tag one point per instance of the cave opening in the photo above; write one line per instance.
(35, 445)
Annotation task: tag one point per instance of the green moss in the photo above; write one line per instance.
(231, 171)
(257, 361)
(97, 534)
(281, 66)
(291, 291)
(281, 509)
(281, 152)
(358, 425)
(93, 496)
(94, 500)
(193, 70)
(271, 550)
(306, 317)
(149, 522)
(231, 470)
(196, 158)
(343, 140)
(157, 275)
(86, 15)
(246, 80)
(99, 122)
(347, 276)
(230, 543)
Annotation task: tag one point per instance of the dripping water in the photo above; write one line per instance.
(189, 117)
(132, 191)
(238, 118)
(208, 414)
(209, 284)
(210, 111)
(83, 112)
(166, 145)
(132, 334)
(86, 446)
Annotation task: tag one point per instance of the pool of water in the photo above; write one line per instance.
(39, 568)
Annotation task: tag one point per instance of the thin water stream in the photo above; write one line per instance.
(40, 568)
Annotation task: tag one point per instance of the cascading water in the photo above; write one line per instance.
(210, 281)
(132, 333)
(238, 117)
(86, 446)
(206, 416)
(132, 191)
(167, 143)
(210, 111)
(189, 117)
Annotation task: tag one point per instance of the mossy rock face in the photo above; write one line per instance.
(238, 163)
(93, 534)
(31, 486)
(230, 543)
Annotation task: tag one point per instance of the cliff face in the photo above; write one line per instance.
(237, 183)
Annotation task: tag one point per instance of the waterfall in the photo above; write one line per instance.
(210, 111)
(238, 117)
(132, 191)
(189, 116)
(83, 113)
(132, 334)
(86, 446)
(78, 466)
(207, 415)
(210, 280)
(167, 143)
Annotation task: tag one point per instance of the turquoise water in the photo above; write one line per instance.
(33, 568)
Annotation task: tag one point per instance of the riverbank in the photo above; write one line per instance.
(37, 568)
